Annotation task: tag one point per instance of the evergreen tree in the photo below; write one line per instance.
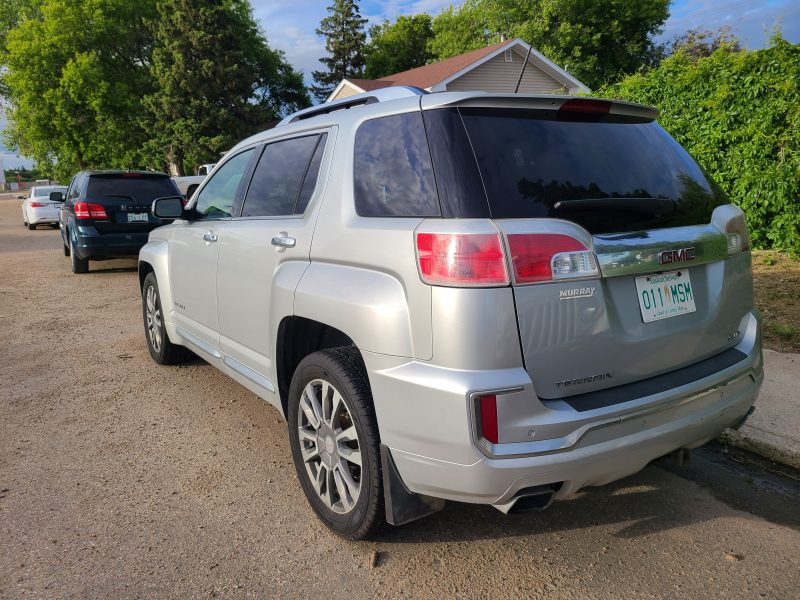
(343, 30)
(217, 81)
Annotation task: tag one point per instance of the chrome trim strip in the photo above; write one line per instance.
(198, 343)
(637, 253)
(252, 375)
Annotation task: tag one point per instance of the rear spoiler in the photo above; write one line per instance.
(579, 104)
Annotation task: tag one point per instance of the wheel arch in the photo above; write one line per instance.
(298, 337)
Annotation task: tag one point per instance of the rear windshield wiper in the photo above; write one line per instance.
(653, 206)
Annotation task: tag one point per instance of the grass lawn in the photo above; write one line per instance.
(777, 290)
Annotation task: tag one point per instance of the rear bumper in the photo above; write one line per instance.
(95, 245)
(436, 459)
(38, 216)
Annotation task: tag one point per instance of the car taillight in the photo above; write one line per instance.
(488, 411)
(736, 232)
(538, 257)
(37, 204)
(461, 259)
(586, 106)
(85, 210)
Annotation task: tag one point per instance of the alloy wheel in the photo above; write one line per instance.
(153, 314)
(330, 446)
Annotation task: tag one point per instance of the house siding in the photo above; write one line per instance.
(497, 75)
(345, 92)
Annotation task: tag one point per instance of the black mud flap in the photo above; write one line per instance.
(403, 506)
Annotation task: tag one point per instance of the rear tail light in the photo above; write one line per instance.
(488, 412)
(37, 204)
(461, 259)
(586, 106)
(85, 210)
(736, 232)
(539, 257)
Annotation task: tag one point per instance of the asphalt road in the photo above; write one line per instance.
(120, 478)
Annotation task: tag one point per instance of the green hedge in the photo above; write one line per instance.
(738, 114)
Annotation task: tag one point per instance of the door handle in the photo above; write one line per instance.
(210, 237)
(284, 241)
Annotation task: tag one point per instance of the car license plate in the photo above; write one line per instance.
(665, 295)
(137, 217)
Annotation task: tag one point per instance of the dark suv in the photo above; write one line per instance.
(106, 214)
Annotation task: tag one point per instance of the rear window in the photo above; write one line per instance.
(392, 172)
(142, 188)
(44, 192)
(605, 176)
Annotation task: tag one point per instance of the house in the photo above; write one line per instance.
(495, 68)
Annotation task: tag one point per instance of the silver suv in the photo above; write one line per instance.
(487, 298)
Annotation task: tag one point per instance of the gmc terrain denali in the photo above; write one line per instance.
(497, 299)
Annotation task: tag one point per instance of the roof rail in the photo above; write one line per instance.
(379, 95)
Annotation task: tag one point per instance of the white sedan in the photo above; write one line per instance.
(38, 209)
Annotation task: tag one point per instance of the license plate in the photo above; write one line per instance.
(137, 217)
(665, 295)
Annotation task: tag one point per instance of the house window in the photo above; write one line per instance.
(509, 55)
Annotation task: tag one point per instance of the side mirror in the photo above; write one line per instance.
(168, 207)
(56, 197)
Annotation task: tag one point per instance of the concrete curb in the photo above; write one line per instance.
(773, 430)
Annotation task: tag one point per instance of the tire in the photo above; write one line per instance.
(347, 497)
(31, 226)
(79, 265)
(161, 349)
(190, 190)
(66, 248)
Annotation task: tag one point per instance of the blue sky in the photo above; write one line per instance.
(290, 25)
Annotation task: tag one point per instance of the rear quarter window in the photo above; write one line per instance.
(393, 175)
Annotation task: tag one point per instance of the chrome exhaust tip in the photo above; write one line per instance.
(537, 497)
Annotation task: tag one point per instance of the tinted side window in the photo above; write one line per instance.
(217, 197)
(278, 177)
(393, 175)
(312, 174)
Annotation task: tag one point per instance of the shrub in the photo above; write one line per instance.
(738, 113)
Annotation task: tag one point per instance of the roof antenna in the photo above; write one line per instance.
(522, 70)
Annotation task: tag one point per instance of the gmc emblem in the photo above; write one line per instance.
(668, 257)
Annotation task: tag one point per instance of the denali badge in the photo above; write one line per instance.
(668, 257)
(590, 379)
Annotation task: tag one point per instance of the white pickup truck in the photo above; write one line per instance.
(189, 183)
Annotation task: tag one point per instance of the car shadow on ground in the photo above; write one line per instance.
(644, 504)
(97, 267)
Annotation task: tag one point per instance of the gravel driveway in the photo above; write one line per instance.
(121, 479)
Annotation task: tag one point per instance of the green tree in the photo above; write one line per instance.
(598, 41)
(217, 81)
(398, 46)
(75, 74)
(738, 113)
(345, 41)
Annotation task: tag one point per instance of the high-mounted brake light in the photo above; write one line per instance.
(461, 259)
(539, 257)
(736, 232)
(488, 412)
(37, 204)
(581, 105)
(85, 210)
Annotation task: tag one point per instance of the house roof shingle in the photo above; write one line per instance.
(429, 75)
